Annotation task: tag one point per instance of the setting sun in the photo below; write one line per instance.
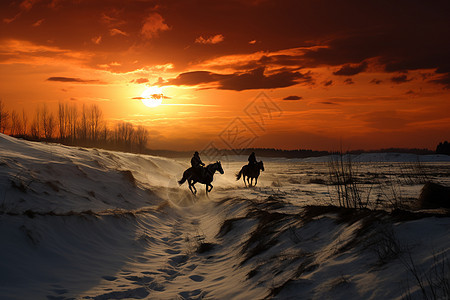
(152, 96)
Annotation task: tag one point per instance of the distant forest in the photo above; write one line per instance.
(85, 126)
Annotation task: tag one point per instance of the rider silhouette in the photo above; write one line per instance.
(197, 164)
(252, 160)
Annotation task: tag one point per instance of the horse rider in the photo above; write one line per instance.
(252, 160)
(197, 164)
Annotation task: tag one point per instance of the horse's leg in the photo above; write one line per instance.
(208, 189)
(191, 185)
(256, 180)
(251, 181)
(243, 178)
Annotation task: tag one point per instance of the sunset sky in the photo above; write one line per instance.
(241, 73)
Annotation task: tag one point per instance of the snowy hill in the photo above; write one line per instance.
(92, 224)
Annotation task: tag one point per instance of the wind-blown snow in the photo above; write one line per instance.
(95, 224)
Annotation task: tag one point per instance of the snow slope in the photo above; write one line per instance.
(92, 224)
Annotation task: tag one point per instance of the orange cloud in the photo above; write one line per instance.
(28, 4)
(25, 52)
(38, 23)
(153, 24)
(10, 20)
(96, 40)
(210, 40)
(112, 19)
(139, 80)
(116, 31)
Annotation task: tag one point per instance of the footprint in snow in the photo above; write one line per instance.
(178, 260)
(190, 294)
(169, 272)
(109, 278)
(170, 251)
(191, 267)
(197, 278)
(140, 279)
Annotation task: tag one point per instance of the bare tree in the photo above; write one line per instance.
(62, 120)
(51, 125)
(141, 138)
(95, 122)
(48, 123)
(35, 129)
(105, 133)
(16, 125)
(44, 120)
(124, 134)
(24, 122)
(72, 113)
(83, 124)
(4, 116)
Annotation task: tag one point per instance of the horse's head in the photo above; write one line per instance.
(261, 165)
(219, 167)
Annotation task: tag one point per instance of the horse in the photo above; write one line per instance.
(250, 172)
(192, 176)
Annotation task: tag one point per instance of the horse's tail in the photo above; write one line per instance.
(238, 175)
(182, 180)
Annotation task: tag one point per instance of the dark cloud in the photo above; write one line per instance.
(329, 103)
(349, 81)
(398, 47)
(256, 79)
(350, 70)
(72, 80)
(281, 60)
(400, 79)
(292, 98)
(193, 78)
(376, 81)
(328, 83)
(239, 81)
(352, 49)
(444, 80)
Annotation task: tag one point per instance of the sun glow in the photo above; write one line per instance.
(152, 96)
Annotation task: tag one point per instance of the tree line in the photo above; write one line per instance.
(443, 148)
(73, 125)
